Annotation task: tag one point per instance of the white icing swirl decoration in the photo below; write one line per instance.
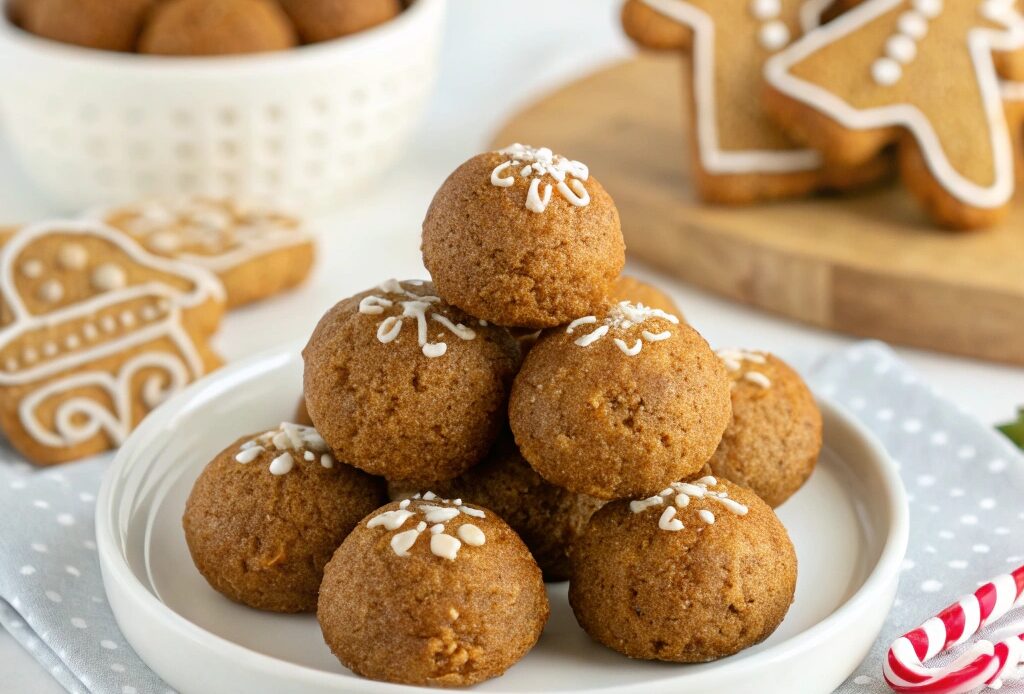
(678, 495)
(621, 317)
(735, 359)
(435, 512)
(413, 306)
(288, 438)
(536, 163)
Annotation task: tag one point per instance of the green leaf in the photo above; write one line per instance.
(1015, 430)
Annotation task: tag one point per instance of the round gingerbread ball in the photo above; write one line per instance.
(773, 441)
(546, 517)
(696, 573)
(434, 593)
(267, 513)
(620, 405)
(216, 27)
(111, 25)
(405, 386)
(523, 237)
(323, 20)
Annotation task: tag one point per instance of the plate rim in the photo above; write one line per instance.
(116, 570)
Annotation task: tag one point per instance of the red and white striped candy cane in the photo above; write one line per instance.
(984, 663)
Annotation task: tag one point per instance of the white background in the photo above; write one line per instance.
(497, 58)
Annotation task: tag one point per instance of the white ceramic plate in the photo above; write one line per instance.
(849, 524)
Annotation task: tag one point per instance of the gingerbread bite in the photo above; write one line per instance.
(433, 592)
(323, 20)
(523, 237)
(406, 386)
(620, 404)
(546, 517)
(267, 513)
(257, 250)
(773, 441)
(111, 25)
(216, 27)
(96, 333)
(697, 572)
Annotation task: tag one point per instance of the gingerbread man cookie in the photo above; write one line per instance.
(919, 74)
(256, 250)
(96, 333)
(740, 155)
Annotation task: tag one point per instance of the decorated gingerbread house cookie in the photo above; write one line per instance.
(96, 333)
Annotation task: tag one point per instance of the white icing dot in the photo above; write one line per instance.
(72, 341)
(108, 277)
(29, 355)
(282, 464)
(765, 9)
(901, 48)
(50, 349)
(929, 8)
(51, 291)
(706, 516)
(471, 535)
(108, 323)
(773, 35)
(886, 71)
(164, 242)
(90, 332)
(248, 455)
(444, 546)
(309, 455)
(127, 318)
(72, 256)
(327, 460)
(32, 268)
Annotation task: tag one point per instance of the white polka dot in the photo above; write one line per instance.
(65, 519)
(88, 544)
(78, 623)
(956, 492)
(987, 503)
(957, 564)
(969, 519)
(96, 599)
(72, 571)
(939, 438)
(912, 426)
(28, 570)
(946, 535)
(931, 586)
(966, 452)
(932, 508)
(18, 484)
(128, 690)
(39, 503)
(1001, 530)
(885, 414)
(117, 667)
(980, 548)
(996, 466)
(87, 497)
(39, 547)
(930, 549)
(54, 596)
(108, 644)
(926, 480)
(862, 680)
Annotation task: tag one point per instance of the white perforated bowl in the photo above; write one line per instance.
(308, 126)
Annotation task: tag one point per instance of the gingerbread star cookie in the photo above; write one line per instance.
(918, 74)
(96, 333)
(256, 250)
(740, 155)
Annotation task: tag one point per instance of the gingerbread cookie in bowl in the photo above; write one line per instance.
(96, 333)
(523, 237)
(620, 404)
(256, 250)
(739, 154)
(919, 75)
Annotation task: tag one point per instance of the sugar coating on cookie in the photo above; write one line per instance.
(96, 333)
(216, 27)
(112, 25)
(323, 20)
(432, 591)
(257, 249)
(403, 385)
(698, 572)
(774, 438)
(523, 237)
(267, 513)
(546, 517)
(621, 404)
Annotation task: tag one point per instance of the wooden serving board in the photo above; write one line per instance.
(866, 264)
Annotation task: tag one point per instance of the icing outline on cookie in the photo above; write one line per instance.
(713, 157)
(179, 369)
(981, 42)
(568, 174)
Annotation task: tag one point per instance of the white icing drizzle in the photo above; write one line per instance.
(413, 306)
(568, 176)
(681, 494)
(435, 514)
(621, 317)
(72, 420)
(734, 360)
(286, 438)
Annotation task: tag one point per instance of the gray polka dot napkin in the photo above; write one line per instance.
(963, 479)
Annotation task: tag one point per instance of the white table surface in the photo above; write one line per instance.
(498, 57)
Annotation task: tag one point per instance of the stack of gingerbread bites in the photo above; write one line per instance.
(610, 444)
(843, 86)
